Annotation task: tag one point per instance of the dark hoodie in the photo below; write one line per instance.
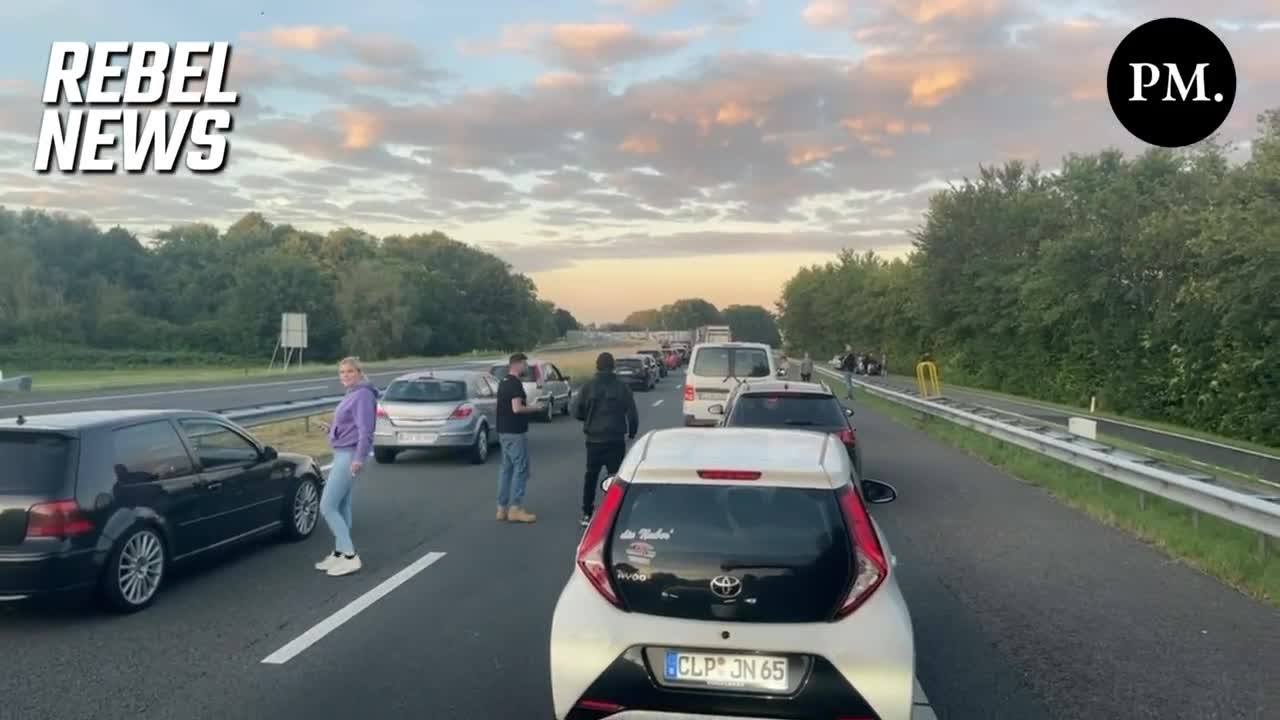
(607, 409)
(353, 421)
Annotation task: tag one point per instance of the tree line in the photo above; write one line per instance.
(748, 323)
(1151, 282)
(73, 295)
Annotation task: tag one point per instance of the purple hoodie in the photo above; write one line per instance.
(354, 419)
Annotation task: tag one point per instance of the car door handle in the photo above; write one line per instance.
(213, 485)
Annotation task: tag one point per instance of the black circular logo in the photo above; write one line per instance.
(1171, 82)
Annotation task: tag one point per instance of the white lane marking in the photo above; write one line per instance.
(311, 387)
(180, 391)
(296, 646)
(920, 707)
(656, 403)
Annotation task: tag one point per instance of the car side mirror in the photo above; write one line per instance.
(607, 483)
(566, 378)
(878, 493)
(782, 372)
(269, 453)
(848, 412)
(716, 409)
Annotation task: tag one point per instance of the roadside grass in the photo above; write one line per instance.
(1220, 549)
(298, 435)
(1105, 415)
(79, 380)
(580, 365)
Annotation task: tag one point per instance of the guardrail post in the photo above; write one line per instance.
(1262, 547)
(306, 423)
(1142, 500)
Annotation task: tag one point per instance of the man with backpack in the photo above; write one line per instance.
(609, 418)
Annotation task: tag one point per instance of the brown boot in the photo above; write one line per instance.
(502, 513)
(518, 514)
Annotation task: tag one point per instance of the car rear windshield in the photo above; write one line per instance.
(426, 391)
(630, 363)
(501, 372)
(33, 463)
(787, 547)
(779, 410)
(731, 362)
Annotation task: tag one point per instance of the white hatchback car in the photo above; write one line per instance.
(734, 573)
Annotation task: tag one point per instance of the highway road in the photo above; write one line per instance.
(1255, 464)
(1023, 608)
(215, 396)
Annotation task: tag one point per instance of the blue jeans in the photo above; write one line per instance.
(513, 473)
(335, 503)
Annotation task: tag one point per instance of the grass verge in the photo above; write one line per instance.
(1105, 415)
(79, 380)
(299, 435)
(1220, 549)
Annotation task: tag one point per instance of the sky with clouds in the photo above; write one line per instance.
(623, 153)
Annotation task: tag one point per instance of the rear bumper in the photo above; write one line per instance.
(863, 665)
(30, 575)
(449, 435)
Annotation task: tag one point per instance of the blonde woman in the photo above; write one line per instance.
(351, 439)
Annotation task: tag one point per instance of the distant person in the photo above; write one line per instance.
(806, 368)
(607, 409)
(513, 436)
(847, 366)
(351, 439)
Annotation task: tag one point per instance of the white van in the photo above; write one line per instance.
(717, 368)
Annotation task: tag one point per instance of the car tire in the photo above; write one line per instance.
(141, 545)
(568, 405)
(384, 456)
(302, 511)
(550, 415)
(479, 452)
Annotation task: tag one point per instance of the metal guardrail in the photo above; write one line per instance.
(1196, 491)
(263, 414)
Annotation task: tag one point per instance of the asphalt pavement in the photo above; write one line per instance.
(1023, 608)
(1242, 460)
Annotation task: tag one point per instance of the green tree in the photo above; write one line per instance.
(690, 313)
(752, 323)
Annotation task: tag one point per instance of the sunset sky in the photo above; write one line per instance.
(624, 153)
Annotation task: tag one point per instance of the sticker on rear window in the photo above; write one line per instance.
(647, 534)
(638, 577)
(641, 553)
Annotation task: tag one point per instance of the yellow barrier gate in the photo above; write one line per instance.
(927, 380)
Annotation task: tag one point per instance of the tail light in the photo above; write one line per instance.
(462, 411)
(381, 412)
(688, 393)
(729, 474)
(847, 437)
(591, 549)
(870, 568)
(58, 519)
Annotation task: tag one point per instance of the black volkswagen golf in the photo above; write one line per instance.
(109, 501)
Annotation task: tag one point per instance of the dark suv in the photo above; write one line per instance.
(110, 500)
(782, 405)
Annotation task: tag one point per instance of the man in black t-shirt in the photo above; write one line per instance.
(513, 436)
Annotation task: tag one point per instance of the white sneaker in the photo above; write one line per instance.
(327, 562)
(344, 566)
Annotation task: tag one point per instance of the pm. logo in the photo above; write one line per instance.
(1171, 82)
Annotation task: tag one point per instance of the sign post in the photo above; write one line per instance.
(292, 340)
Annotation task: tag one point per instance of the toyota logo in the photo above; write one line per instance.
(726, 586)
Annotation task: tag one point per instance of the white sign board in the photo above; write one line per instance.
(1083, 427)
(293, 330)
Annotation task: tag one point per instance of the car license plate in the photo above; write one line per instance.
(625, 372)
(755, 672)
(425, 438)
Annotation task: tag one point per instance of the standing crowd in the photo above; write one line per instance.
(605, 406)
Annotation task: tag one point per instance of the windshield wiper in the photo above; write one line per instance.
(799, 422)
